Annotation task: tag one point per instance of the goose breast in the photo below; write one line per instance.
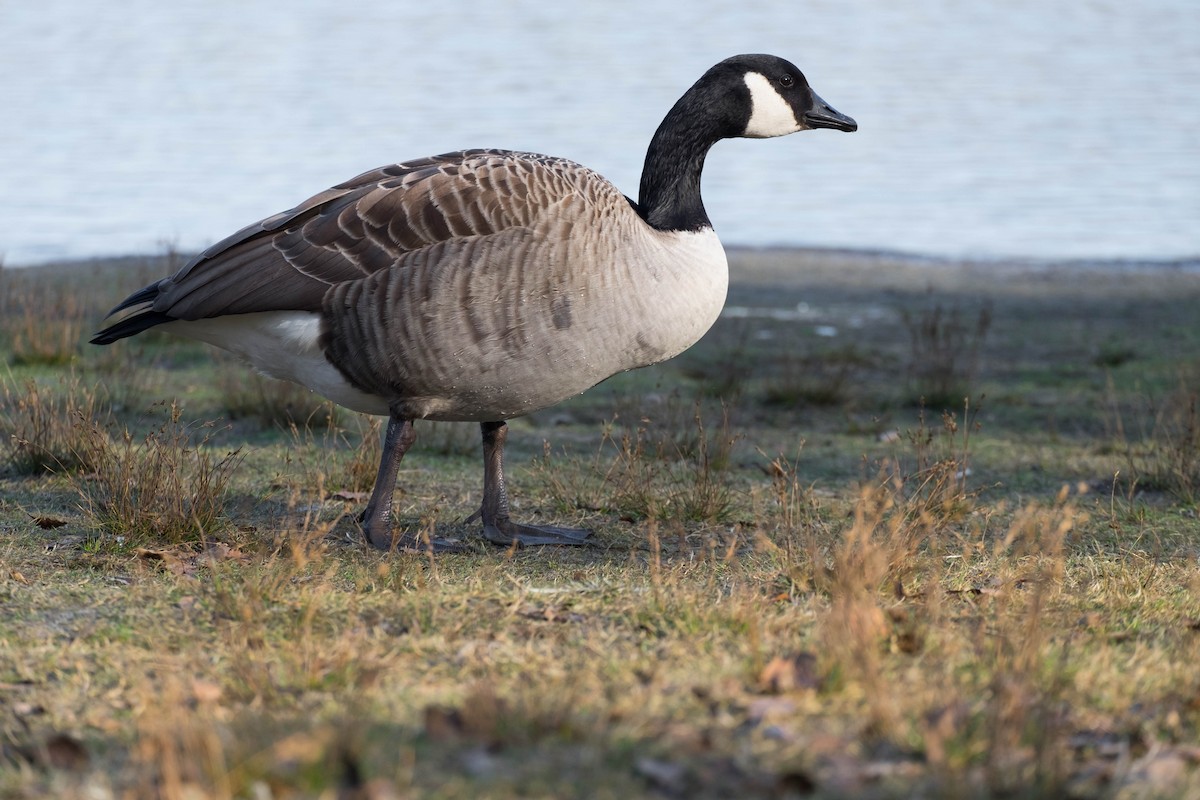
(497, 325)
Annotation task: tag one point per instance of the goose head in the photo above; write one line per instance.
(753, 96)
(767, 96)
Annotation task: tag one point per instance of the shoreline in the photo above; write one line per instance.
(801, 271)
(1020, 263)
(803, 253)
(865, 273)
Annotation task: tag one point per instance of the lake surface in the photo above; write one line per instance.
(1060, 129)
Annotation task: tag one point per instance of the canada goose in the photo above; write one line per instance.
(484, 284)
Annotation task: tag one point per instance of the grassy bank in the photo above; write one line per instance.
(891, 529)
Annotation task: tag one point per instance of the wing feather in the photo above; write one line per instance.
(370, 223)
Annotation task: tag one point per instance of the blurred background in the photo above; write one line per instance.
(1061, 129)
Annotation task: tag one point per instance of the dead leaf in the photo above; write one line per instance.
(170, 562)
(442, 723)
(550, 613)
(906, 634)
(66, 752)
(796, 782)
(22, 709)
(206, 692)
(49, 523)
(910, 641)
(789, 673)
(59, 751)
(219, 551)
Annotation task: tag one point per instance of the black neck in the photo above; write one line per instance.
(669, 197)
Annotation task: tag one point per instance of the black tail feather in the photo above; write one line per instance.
(147, 294)
(130, 326)
(135, 323)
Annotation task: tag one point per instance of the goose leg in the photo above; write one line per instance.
(497, 526)
(377, 518)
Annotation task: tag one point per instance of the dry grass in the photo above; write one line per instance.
(822, 379)
(41, 323)
(650, 471)
(944, 357)
(343, 458)
(1164, 455)
(780, 603)
(43, 428)
(168, 487)
(271, 403)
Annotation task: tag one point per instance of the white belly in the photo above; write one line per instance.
(283, 345)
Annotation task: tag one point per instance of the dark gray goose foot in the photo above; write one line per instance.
(376, 520)
(497, 527)
(505, 532)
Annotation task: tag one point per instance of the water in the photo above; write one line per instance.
(1027, 128)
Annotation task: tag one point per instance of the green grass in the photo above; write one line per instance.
(802, 585)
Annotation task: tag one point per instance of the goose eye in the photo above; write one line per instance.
(786, 81)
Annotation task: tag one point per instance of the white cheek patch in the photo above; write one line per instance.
(770, 114)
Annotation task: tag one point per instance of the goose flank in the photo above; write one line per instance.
(481, 285)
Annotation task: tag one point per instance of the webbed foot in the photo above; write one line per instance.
(507, 532)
